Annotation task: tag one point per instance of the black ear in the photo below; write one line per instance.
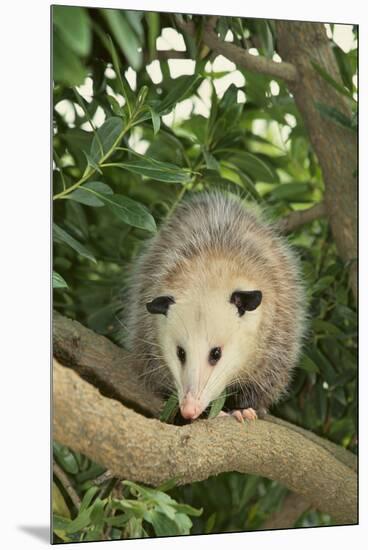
(246, 300)
(160, 304)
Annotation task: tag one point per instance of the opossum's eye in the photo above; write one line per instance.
(160, 304)
(246, 300)
(180, 352)
(214, 356)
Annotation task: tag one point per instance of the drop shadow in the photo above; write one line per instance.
(40, 532)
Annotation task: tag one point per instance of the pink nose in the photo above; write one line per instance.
(190, 407)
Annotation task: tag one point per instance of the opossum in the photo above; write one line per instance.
(217, 304)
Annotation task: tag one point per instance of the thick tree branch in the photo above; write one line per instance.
(296, 219)
(149, 451)
(340, 453)
(113, 370)
(116, 374)
(241, 57)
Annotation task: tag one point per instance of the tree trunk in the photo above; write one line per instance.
(300, 43)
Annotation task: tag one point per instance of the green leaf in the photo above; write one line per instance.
(59, 506)
(98, 187)
(328, 78)
(210, 523)
(346, 66)
(183, 86)
(231, 172)
(115, 105)
(65, 458)
(184, 524)
(170, 483)
(307, 364)
(124, 36)
(58, 281)
(256, 167)
(157, 170)
(82, 196)
(156, 121)
(74, 27)
(324, 327)
(162, 525)
(67, 68)
(170, 409)
(336, 116)
(80, 522)
(133, 507)
(61, 236)
(324, 365)
(86, 193)
(211, 162)
(129, 211)
(108, 135)
(135, 21)
(117, 521)
(124, 88)
(134, 528)
(186, 509)
(153, 24)
(60, 522)
(92, 162)
(77, 140)
(323, 283)
(290, 191)
(217, 405)
(265, 35)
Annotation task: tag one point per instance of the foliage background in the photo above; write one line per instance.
(132, 136)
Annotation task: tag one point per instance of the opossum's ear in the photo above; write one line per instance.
(160, 304)
(246, 300)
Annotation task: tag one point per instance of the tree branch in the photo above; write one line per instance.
(149, 451)
(117, 375)
(239, 56)
(66, 483)
(296, 219)
(113, 370)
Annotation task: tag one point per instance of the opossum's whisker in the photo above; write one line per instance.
(150, 371)
(149, 342)
(216, 379)
(182, 322)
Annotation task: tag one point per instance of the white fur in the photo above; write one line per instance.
(203, 318)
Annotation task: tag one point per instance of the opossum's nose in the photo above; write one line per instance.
(190, 407)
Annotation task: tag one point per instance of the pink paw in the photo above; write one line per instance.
(240, 414)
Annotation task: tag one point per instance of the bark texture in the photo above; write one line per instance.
(113, 370)
(300, 43)
(149, 451)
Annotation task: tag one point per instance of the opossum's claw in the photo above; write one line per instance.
(240, 414)
(249, 414)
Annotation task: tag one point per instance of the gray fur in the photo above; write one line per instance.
(221, 224)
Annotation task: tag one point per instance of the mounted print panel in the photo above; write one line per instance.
(204, 274)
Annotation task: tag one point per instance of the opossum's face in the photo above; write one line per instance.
(207, 340)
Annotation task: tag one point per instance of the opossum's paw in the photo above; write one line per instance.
(249, 414)
(240, 414)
